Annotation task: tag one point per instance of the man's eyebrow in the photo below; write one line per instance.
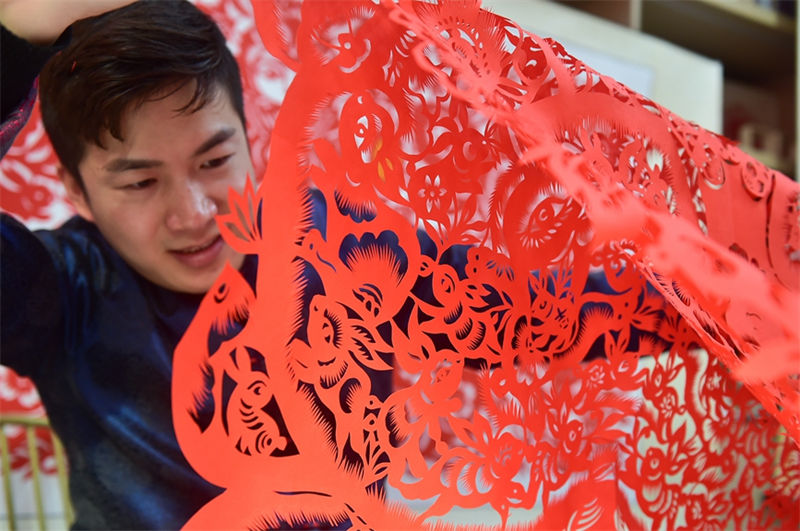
(121, 165)
(218, 138)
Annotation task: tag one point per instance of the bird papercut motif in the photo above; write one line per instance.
(496, 289)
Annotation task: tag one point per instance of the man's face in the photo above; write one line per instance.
(154, 196)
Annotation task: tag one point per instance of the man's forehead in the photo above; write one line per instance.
(178, 104)
(146, 125)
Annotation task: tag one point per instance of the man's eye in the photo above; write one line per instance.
(215, 163)
(140, 185)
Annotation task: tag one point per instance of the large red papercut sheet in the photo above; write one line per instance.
(492, 281)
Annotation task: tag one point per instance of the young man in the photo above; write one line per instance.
(144, 110)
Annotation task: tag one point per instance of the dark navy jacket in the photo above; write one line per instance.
(97, 340)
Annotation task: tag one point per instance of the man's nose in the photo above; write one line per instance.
(189, 208)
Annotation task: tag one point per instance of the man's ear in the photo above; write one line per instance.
(76, 194)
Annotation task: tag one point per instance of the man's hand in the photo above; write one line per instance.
(42, 21)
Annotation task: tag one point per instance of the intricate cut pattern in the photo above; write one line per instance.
(492, 278)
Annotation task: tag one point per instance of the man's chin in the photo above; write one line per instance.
(189, 282)
(190, 286)
(199, 282)
(177, 275)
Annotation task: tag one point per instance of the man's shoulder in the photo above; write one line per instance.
(76, 248)
(75, 229)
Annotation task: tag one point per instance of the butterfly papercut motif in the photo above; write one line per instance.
(495, 289)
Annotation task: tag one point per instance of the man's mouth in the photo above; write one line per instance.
(197, 248)
(200, 256)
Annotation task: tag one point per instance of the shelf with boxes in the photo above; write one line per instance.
(755, 41)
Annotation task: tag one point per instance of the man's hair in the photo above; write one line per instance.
(123, 58)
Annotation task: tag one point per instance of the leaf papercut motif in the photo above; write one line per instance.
(241, 227)
(496, 289)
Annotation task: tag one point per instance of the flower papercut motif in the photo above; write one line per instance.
(702, 513)
(353, 50)
(717, 404)
(432, 192)
(503, 462)
(596, 374)
(715, 381)
(665, 470)
(659, 389)
(429, 192)
(507, 457)
(241, 227)
(376, 275)
(421, 416)
(668, 405)
(486, 463)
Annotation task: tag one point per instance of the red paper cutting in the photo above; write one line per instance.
(492, 283)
